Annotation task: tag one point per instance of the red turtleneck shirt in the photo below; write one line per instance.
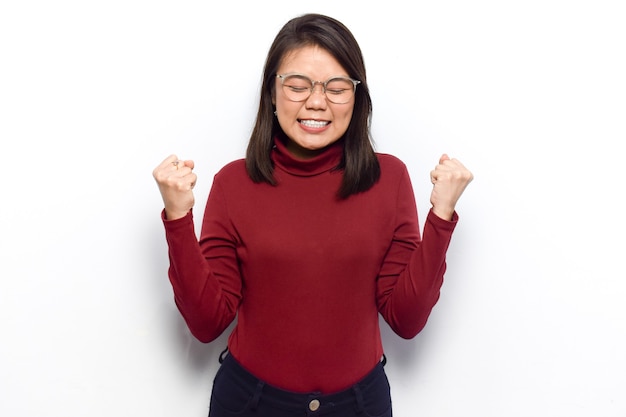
(307, 274)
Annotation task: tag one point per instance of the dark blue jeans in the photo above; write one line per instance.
(237, 393)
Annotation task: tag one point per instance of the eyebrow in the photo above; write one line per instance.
(311, 78)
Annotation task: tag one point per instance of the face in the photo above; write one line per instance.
(312, 124)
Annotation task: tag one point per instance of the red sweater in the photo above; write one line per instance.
(307, 274)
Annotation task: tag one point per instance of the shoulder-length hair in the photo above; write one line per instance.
(359, 162)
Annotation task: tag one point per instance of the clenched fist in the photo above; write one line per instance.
(449, 179)
(176, 181)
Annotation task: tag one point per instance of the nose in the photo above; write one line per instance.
(317, 99)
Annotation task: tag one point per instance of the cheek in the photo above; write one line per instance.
(346, 115)
(287, 108)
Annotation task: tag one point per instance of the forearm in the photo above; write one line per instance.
(199, 294)
(409, 300)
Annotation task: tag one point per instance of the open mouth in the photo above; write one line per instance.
(315, 124)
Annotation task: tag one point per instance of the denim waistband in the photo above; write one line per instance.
(315, 403)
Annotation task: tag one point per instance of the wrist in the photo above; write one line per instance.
(445, 214)
(175, 214)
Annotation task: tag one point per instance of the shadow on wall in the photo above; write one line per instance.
(402, 353)
(198, 357)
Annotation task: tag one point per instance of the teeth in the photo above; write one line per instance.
(313, 123)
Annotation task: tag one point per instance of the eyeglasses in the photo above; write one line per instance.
(298, 87)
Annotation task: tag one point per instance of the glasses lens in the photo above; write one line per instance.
(296, 87)
(339, 90)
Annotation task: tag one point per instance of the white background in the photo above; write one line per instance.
(530, 95)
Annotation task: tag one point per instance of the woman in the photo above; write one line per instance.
(307, 240)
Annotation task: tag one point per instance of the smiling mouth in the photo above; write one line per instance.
(313, 123)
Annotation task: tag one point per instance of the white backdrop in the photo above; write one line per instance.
(530, 95)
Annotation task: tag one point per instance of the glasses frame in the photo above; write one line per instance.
(282, 78)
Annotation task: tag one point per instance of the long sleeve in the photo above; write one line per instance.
(204, 275)
(411, 276)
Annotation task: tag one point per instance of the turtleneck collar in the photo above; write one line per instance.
(325, 161)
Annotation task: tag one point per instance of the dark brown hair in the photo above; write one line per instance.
(359, 162)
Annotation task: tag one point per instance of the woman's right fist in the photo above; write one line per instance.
(176, 181)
